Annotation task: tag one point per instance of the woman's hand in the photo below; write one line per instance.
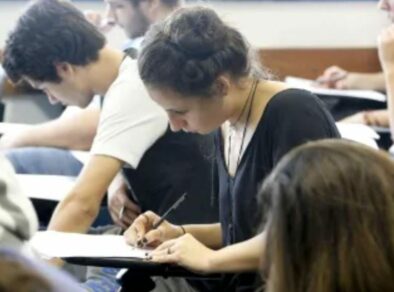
(141, 232)
(185, 251)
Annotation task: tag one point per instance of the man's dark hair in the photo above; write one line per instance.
(49, 32)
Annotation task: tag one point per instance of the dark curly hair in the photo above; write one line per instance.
(50, 31)
(189, 50)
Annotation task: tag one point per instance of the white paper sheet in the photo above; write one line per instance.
(359, 133)
(358, 94)
(51, 244)
(46, 187)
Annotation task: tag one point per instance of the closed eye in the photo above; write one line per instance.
(176, 112)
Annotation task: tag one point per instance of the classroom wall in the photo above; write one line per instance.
(310, 24)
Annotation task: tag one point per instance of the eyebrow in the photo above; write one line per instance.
(176, 111)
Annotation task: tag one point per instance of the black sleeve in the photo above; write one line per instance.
(296, 117)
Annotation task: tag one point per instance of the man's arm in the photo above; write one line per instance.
(77, 211)
(336, 77)
(74, 130)
(386, 56)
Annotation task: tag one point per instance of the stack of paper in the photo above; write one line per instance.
(359, 133)
(46, 187)
(52, 244)
(347, 93)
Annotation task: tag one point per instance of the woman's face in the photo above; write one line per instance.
(192, 114)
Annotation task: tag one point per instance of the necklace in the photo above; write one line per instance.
(248, 104)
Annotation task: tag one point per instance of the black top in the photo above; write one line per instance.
(176, 163)
(292, 117)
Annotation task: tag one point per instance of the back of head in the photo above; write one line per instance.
(190, 49)
(331, 219)
(15, 276)
(50, 32)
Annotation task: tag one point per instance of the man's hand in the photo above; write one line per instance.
(377, 118)
(334, 77)
(122, 210)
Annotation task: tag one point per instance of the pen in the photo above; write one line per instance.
(166, 213)
(121, 211)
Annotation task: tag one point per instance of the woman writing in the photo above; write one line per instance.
(201, 71)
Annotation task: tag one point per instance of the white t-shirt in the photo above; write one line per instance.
(130, 122)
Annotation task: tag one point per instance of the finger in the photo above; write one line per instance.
(130, 205)
(321, 80)
(164, 252)
(141, 225)
(165, 258)
(115, 218)
(332, 70)
(131, 236)
(166, 244)
(129, 217)
(115, 204)
(155, 235)
(121, 224)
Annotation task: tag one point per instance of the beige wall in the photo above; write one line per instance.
(300, 24)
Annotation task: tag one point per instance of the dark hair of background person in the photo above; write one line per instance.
(16, 277)
(331, 219)
(189, 50)
(50, 32)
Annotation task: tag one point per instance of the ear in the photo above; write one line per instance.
(222, 86)
(64, 70)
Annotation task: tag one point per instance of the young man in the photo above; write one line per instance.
(45, 147)
(69, 61)
(336, 77)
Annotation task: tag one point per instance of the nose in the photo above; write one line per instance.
(110, 16)
(177, 123)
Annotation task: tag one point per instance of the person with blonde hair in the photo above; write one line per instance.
(330, 223)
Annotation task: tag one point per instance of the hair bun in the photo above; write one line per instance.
(198, 33)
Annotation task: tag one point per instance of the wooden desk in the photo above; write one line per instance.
(310, 63)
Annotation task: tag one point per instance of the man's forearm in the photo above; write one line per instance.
(73, 215)
(369, 81)
(77, 211)
(75, 131)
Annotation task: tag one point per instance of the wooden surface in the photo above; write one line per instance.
(307, 63)
(310, 63)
